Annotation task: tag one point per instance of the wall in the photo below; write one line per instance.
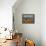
(43, 22)
(30, 31)
(6, 13)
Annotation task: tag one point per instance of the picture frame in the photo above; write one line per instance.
(28, 18)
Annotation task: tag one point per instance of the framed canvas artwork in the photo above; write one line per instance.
(28, 18)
